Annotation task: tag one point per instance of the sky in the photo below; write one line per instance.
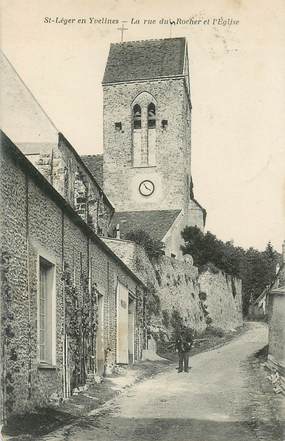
(237, 71)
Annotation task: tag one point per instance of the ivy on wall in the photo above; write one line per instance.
(81, 312)
(8, 351)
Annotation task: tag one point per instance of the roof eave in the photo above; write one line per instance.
(141, 80)
(45, 186)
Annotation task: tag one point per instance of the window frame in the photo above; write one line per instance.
(46, 321)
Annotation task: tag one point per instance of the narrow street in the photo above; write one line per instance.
(211, 403)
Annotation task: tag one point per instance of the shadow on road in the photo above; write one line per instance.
(160, 429)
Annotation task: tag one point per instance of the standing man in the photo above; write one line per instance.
(184, 342)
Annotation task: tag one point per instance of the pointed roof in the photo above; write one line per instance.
(136, 60)
(155, 222)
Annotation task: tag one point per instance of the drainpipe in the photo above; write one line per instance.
(28, 292)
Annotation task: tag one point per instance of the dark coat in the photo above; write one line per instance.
(184, 343)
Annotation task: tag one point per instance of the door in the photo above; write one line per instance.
(122, 324)
(131, 330)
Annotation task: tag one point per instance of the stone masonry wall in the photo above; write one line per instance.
(34, 224)
(276, 319)
(181, 289)
(67, 173)
(72, 181)
(222, 300)
(172, 146)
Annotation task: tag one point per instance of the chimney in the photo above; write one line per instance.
(283, 251)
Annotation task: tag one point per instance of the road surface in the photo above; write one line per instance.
(208, 404)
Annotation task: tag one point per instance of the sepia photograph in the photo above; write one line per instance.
(142, 220)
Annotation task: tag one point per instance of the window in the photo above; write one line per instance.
(46, 315)
(144, 114)
(151, 116)
(137, 117)
(118, 126)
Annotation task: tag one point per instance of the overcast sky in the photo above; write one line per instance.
(237, 87)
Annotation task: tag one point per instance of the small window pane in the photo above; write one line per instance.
(151, 121)
(137, 115)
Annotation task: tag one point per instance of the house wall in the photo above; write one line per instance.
(23, 120)
(67, 173)
(34, 133)
(276, 338)
(35, 224)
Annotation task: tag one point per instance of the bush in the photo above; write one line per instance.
(165, 318)
(152, 247)
(215, 332)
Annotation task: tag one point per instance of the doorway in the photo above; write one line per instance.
(100, 355)
(131, 330)
(125, 325)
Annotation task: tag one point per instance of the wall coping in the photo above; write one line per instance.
(278, 291)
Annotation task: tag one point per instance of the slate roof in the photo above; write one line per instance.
(95, 165)
(134, 60)
(156, 222)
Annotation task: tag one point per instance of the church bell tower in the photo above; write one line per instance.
(147, 127)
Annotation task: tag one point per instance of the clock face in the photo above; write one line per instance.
(146, 188)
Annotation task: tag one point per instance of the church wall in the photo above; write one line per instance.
(34, 224)
(173, 239)
(195, 216)
(173, 150)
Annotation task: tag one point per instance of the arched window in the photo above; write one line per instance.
(137, 117)
(151, 116)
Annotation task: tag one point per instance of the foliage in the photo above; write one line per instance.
(255, 268)
(8, 352)
(152, 302)
(152, 247)
(81, 324)
(165, 318)
(214, 331)
(176, 320)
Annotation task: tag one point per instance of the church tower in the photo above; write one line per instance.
(147, 128)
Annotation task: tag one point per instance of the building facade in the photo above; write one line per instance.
(147, 131)
(70, 307)
(30, 128)
(276, 321)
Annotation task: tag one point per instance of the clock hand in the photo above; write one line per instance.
(147, 187)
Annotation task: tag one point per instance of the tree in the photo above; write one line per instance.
(255, 268)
